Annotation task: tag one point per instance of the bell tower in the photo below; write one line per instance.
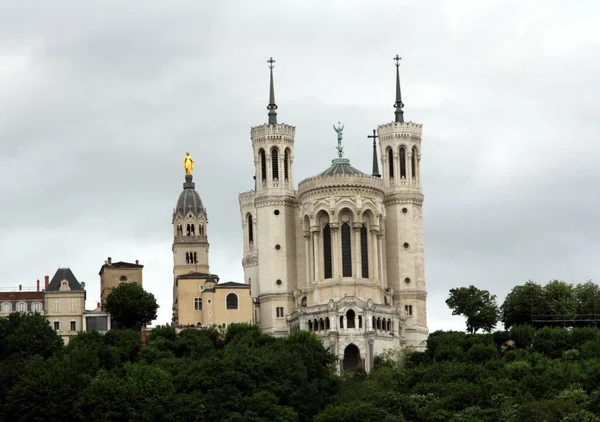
(190, 241)
(269, 221)
(400, 146)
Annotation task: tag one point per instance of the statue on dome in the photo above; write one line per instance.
(338, 130)
(188, 163)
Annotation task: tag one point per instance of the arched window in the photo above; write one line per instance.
(193, 229)
(36, 307)
(286, 164)
(303, 302)
(402, 162)
(21, 307)
(275, 163)
(390, 162)
(346, 251)
(195, 257)
(413, 162)
(328, 268)
(231, 301)
(250, 229)
(197, 304)
(364, 252)
(188, 230)
(321, 324)
(350, 315)
(327, 323)
(263, 164)
(187, 257)
(310, 326)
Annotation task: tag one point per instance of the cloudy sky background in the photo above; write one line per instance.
(100, 101)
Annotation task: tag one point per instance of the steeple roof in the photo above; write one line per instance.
(272, 106)
(398, 105)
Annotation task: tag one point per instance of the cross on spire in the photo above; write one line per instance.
(398, 105)
(272, 106)
(375, 164)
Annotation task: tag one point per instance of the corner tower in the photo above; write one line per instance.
(268, 220)
(400, 146)
(190, 245)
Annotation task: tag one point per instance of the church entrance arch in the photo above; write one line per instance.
(351, 361)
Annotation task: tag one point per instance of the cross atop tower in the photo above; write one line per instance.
(271, 61)
(272, 106)
(397, 59)
(398, 105)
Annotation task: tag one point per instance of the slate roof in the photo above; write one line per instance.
(120, 264)
(232, 284)
(340, 166)
(63, 274)
(189, 200)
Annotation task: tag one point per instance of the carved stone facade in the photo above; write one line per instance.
(342, 256)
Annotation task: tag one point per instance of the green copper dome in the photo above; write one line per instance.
(340, 166)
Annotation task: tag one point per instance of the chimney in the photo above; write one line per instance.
(38, 285)
(83, 285)
(109, 260)
(46, 281)
(97, 305)
(20, 287)
(137, 262)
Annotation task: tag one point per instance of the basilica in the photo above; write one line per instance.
(339, 254)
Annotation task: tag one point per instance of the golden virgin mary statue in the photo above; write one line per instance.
(188, 163)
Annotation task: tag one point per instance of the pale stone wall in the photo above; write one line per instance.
(64, 307)
(112, 276)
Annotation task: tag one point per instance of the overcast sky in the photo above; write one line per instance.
(99, 101)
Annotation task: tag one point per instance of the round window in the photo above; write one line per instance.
(406, 245)
(276, 212)
(407, 280)
(404, 210)
(277, 247)
(278, 282)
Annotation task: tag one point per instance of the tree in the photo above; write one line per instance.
(131, 306)
(28, 335)
(479, 306)
(587, 296)
(522, 303)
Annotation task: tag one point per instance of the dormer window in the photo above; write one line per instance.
(123, 278)
(64, 286)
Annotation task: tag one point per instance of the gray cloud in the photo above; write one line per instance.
(99, 103)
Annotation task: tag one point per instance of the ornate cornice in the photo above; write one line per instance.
(399, 198)
(271, 297)
(275, 201)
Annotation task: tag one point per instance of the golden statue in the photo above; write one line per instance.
(188, 163)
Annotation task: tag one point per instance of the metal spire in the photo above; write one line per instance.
(398, 105)
(272, 106)
(375, 164)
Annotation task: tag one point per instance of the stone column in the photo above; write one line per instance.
(269, 168)
(396, 165)
(308, 254)
(409, 177)
(357, 253)
(316, 256)
(336, 250)
(375, 255)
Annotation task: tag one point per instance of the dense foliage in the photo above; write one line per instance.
(130, 306)
(479, 306)
(243, 375)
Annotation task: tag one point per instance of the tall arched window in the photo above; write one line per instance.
(413, 162)
(328, 268)
(364, 252)
(231, 301)
(286, 164)
(402, 162)
(250, 229)
(275, 163)
(263, 164)
(346, 251)
(390, 162)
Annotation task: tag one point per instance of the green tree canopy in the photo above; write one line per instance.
(130, 305)
(521, 303)
(479, 306)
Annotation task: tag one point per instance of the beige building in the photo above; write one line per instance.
(343, 254)
(64, 303)
(114, 273)
(198, 298)
(213, 304)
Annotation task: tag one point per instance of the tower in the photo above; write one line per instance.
(269, 219)
(400, 146)
(190, 247)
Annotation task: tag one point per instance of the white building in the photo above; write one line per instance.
(341, 255)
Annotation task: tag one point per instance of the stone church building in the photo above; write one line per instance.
(341, 254)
